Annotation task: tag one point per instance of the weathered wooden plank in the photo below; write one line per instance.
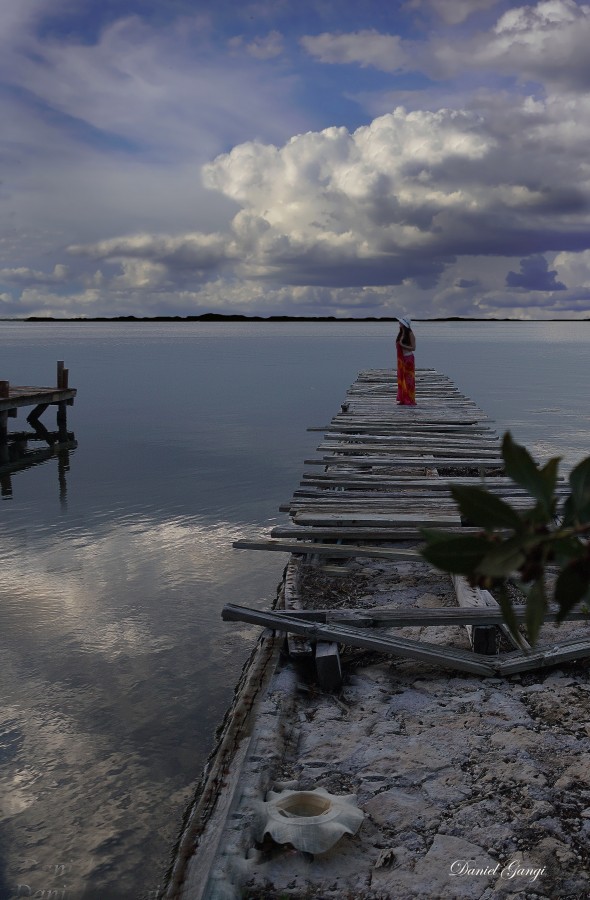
(365, 533)
(518, 496)
(564, 651)
(449, 657)
(406, 461)
(407, 420)
(521, 643)
(497, 484)
(482, 638)
(367, 507)
(354, 500)
(377, 404)
(334, 439)
(410, 500)
(328, 666)
(391, 428)
(391, 436)
(411, 450)
(375, 519)
(385, 617)
(34, 396)
(333, 550)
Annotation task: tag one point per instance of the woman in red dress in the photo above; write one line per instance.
(406, 379)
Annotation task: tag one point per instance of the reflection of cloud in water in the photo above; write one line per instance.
(91, 584)
(127, 637)
(84, 806)
(104, 718)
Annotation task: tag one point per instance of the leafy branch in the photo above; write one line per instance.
(518, 545)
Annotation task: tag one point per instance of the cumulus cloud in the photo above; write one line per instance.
(535, 275)
(396, 198)
(368, 48)
(574, 268)
(267, 47)
(453, 12)
(187, 251)
(395, 202)
(547, 43)
(331, 207)
(23, 275)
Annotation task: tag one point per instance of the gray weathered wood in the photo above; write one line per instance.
(413, 449)
(365, 533)
(334, 550)
(482, 637)
(328, 666)
(409, 462)
(32, 396)
(375, 519)
(449, 657)
(387, 617)
(541, 657)
(521, 643)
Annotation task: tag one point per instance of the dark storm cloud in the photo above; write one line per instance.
(535, 275)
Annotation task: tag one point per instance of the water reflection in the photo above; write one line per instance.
(99, 732)
(21, 450)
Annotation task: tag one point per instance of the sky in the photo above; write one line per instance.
(295, 157)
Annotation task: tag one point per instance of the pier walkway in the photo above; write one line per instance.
(397, 685)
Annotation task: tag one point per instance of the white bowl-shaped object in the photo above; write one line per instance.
(312, 821)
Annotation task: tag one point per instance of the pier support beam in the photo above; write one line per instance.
(4, 392)
(327, 664)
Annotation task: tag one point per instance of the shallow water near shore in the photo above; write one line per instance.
(116, 666)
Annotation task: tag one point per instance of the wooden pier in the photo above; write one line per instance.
(15, 454)
(385, 475)
(356, 600)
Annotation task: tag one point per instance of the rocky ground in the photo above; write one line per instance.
(471, 787)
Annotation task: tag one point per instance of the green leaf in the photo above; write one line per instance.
(579, 479)
(485, 509)
(572, 586)
(566, 549)
(521, 467)
(568, 511)
(536, 607)
(539, 514)
(549, 473)
(503, 558)
(457, 554)
(431, 535)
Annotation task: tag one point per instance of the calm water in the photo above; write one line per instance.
(116, 667)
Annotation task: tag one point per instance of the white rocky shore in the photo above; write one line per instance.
(471, 787)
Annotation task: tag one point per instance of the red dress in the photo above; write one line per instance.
(406, 377)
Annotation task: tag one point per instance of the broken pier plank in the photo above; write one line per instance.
(449, 657)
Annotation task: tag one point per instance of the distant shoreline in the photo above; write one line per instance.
(218, 317)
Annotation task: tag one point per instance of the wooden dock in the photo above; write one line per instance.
(386, 471)
(15, 454)
(356, 592)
